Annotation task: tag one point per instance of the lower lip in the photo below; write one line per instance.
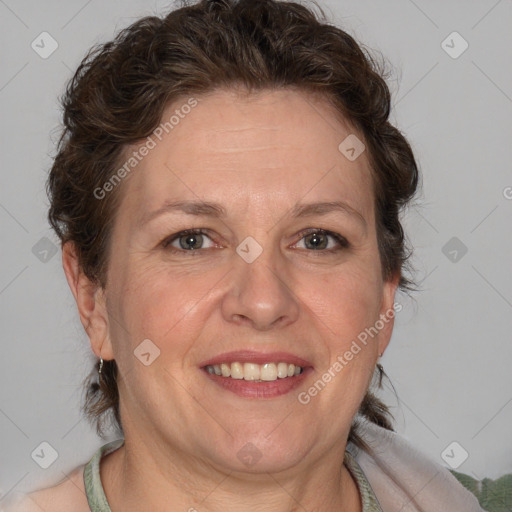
(251, 389)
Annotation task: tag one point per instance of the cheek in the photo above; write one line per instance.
(156, 302)
(347, 301)
(345, 305)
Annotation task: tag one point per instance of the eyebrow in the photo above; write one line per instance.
(215, 210)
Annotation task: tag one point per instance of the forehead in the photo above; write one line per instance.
(259, 149)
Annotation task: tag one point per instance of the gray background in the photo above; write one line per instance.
(450, 355)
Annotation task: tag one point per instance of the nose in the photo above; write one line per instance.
(260, 294)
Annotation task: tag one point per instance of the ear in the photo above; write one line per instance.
(90, 300)
(387, 312)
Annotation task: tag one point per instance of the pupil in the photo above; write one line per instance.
(191, 241)
(316, 240)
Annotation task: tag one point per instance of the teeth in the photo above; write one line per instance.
(269, 371)
(226, 370)
(237, 371)
(282, 370)
(255, 372)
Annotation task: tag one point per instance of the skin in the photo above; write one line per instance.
(258, 156)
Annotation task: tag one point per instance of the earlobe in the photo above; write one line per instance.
(90, 301)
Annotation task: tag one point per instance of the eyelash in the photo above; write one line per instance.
(342, 241)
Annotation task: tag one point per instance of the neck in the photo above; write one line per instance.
(151, 477)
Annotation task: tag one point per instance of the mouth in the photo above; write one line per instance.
(256, 375)
(253, 372)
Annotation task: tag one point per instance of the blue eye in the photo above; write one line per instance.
(192, 240)
(319, 240)
(189, 240)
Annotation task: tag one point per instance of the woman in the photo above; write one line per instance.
(227, 192)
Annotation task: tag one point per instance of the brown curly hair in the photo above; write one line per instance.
(118, 94)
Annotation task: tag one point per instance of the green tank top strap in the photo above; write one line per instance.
(369, 500)
(92, 480)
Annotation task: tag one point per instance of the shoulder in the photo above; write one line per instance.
(397, 471)
(68, 494)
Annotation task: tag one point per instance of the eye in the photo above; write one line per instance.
(192, 240)
(189, 240)
(318, 239)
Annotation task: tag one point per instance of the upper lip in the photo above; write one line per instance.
(251, 356)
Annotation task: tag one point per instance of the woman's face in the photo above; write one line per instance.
(252, 288)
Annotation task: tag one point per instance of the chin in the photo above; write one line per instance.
(262, 451)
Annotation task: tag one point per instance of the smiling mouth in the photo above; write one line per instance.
(253, 372)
